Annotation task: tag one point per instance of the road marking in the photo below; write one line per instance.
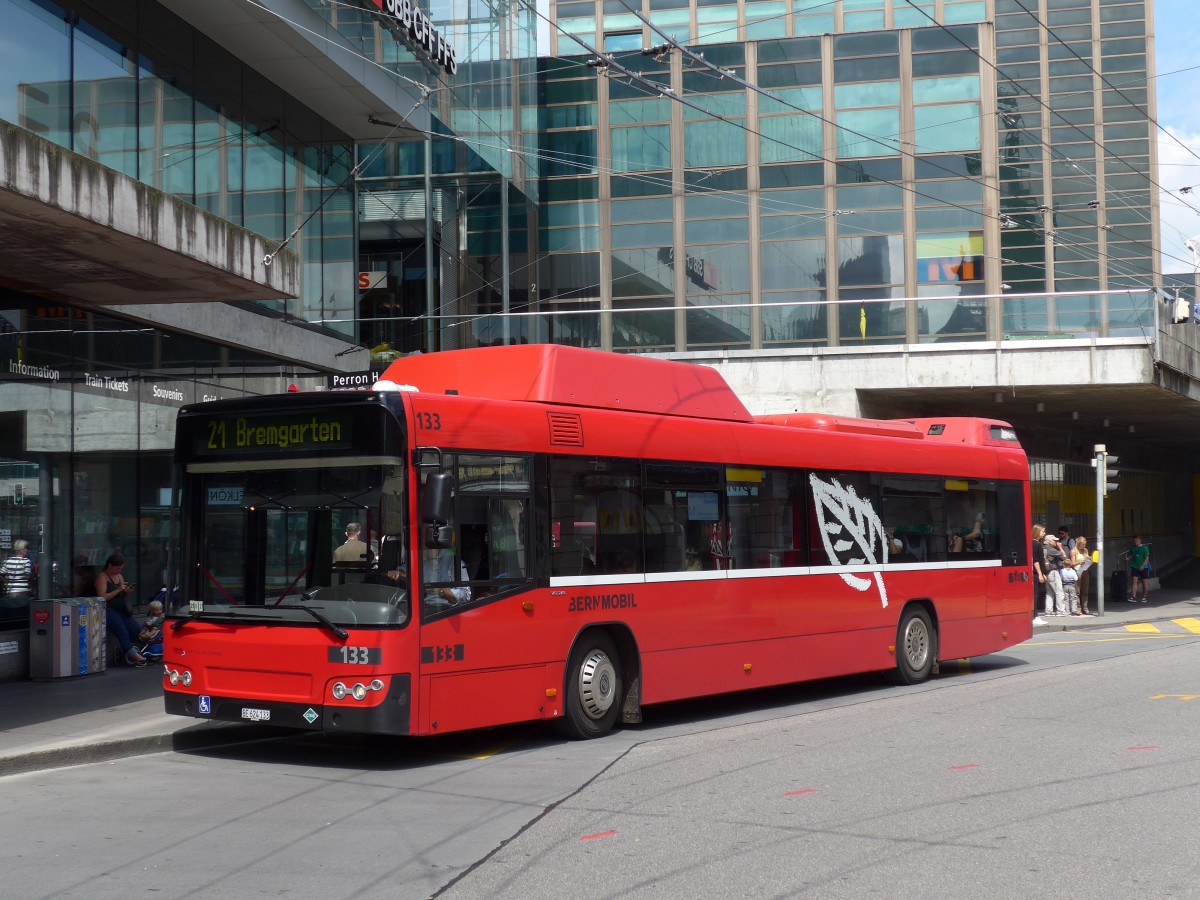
(488, 753)
(495, 751)
(1175, 696)
(1085, 638)
(800, 793)
(1192, 625)
(596, 837)
(967, 766)
(946, 669)
(1149, 747)
(1143, 628)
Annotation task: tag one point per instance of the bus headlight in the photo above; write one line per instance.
(358, 691)
(177, 678)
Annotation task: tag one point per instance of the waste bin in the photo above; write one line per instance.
(1118, 589)
(68, 638)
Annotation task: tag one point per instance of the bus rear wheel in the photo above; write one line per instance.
(594, 684)
(916, 647)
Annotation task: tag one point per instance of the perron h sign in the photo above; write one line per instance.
(421, 30)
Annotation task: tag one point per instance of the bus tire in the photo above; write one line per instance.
(916, 647)
(594, 688)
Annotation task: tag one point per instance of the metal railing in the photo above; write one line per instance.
(652, 325)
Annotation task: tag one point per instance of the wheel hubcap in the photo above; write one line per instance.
(597, 684)
(916, 644)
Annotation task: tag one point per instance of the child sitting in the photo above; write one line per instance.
(150, 638)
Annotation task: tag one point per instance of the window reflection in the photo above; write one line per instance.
(104, 102)
(36, 40)
(715, 326)
(640, 148)
(794, 318)
(643, 325)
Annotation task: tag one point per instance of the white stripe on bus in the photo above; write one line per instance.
(780, 572)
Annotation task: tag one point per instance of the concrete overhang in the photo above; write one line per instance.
(260, 332)
(1146, 424)
(292, 46)
(1140, 397)
(72, 230)
(1062, 396)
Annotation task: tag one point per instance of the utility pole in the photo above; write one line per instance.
(1106, 475)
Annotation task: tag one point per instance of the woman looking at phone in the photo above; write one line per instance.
(111, 585)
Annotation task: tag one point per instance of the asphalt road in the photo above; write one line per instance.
(1062, 768)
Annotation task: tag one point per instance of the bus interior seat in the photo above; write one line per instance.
(342, 569)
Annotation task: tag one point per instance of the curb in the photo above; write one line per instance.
(1093, 623)
(189, 738)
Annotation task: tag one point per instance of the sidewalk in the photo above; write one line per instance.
(1178, 598)
(114, 714)
(1165, 604)
(119, 713)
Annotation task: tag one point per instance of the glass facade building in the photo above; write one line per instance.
(131, 87)
(861, 171)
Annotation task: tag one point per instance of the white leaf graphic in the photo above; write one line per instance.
(848, 523)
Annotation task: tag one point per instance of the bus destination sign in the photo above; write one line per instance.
(298, 433)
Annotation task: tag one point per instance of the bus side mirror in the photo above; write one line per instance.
(435, 508)
(439, 537)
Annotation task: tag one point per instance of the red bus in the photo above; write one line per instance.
(570, 535)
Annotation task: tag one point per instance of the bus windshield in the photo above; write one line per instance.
(300, 543)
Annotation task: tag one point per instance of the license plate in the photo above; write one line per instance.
(256, 715)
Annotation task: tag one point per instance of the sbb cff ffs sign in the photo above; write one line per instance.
(421, 30)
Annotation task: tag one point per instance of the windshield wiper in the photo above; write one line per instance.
(336, 629)
(216, 615)
(176, 624)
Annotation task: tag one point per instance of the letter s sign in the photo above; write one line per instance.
(369, 280)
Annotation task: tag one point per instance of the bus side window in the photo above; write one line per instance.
(506, 523)
(1012, 542)
(911, 510)
(596, 515)
(766, 516)
(836, 498)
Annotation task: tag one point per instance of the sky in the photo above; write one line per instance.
(1177, 65)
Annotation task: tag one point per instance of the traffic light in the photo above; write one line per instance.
(1110, 473)
(18, 493)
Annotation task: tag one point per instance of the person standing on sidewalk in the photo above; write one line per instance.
(1139, 570)
(1064, 538)
(1083, 558)
(1070, 580)
(18, 572)
(1039, 573)
(1054, 584)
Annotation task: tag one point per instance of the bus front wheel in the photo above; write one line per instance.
(593, 688)
(916, 647)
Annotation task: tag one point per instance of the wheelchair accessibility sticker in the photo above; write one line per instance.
(205, 706)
